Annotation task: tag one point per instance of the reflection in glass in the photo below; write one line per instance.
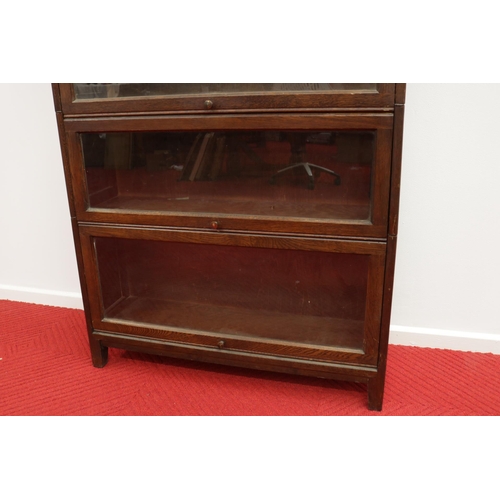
(114, 90)
(299, 296)
(321, 174)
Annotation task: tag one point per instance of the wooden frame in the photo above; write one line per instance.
(382, 98)
(382, 111)
(381, 124)
(365, 356)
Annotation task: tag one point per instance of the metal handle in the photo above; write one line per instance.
(209, 104)
(220, 344)
(214, 225)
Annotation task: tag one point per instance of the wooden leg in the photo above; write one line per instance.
(375, 393)
(99, 354)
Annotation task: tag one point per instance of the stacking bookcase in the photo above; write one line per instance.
(250, 225)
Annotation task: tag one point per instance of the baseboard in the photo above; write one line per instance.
(41, 296)
(445, 339)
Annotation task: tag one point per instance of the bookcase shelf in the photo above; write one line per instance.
(242, 224)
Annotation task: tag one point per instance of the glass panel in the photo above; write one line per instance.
(114, 90)
(299, 296)
(322, 174)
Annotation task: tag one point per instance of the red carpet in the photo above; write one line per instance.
(45, 369)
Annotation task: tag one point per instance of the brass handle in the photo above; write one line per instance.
(214, 225)
(209, 104)
(220, 344)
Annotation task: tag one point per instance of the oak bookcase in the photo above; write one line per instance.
(251, 225)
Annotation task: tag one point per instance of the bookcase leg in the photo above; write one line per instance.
(99, 354)
(375, 393)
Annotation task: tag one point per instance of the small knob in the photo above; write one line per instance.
(220, 344)
(214, 225)
(209, 104)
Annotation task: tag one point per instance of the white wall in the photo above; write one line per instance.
(446, 292)
(447, 283)
(37, 257)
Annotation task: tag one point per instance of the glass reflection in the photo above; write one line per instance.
(292, 295)
(321, 174)
(114, 90)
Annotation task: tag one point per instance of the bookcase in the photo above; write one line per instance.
(251, 225)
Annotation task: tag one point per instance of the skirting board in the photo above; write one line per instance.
(401, 335)
(40, 296)
(445, 339)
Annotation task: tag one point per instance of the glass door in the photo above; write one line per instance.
(326, 178)
(297, 296)
(213, 97)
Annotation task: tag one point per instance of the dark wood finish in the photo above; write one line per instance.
(193, 283)
(382, 98)
(400, 93)
(163, 214)
(362, 350)
(397, 153)
(376, 384)
(99, 352)
(339, 371)
(197, 122)
(57, 97)
(280, 364)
